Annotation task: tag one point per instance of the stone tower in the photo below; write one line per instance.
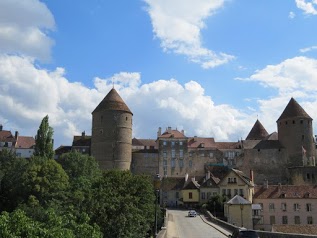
(257, 132)
(295, 132)
(111, 141)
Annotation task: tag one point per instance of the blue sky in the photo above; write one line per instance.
(210, 67)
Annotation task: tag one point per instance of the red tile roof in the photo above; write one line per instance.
(285, 191)
(172, 134)
(200, 142)
(25, 142)
(6, 136)
(228, 145)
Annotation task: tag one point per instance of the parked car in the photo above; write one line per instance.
(192, 213)
(244, 233)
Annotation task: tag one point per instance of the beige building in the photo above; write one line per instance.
(234, 183)
(286, 205)
(239, 212)
(208, 188)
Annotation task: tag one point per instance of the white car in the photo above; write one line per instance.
(192, 213)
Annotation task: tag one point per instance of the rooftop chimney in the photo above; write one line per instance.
(83, 135)
(1, 127)
(251, 175)
(266, 183)
(169, 129)
(183, 132)
(159, 132)
(16, 134)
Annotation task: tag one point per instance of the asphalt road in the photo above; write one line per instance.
(182, 226)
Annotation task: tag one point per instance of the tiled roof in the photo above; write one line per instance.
(285, 191)
(293, 110)
(269, 144)
(112, 101)
(25, 142)
(148, 142)
(63, 149)
(191, 184)
(172, 134)
(295, 229)
(6, 136)
(171, 183)
(197, 142)
(228, 145)
(243, 177)
(257, 132)
(272, 136)
(211, 182)
(82, 141)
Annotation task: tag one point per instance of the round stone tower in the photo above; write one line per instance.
(111, 141)
(295, 132)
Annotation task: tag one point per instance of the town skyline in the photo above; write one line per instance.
(210, 71)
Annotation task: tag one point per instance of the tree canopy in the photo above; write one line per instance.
(44, 140)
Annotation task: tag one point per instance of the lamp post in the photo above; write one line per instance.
(241, 208)
(157, 185)
(215, 208)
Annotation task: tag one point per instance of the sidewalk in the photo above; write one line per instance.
(219, 228)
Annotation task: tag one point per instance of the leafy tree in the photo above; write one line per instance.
(52, 225)
(11, 189)
(122, 204)
(44, 179)
(216, 204)
(44, 140)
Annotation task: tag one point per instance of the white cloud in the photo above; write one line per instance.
(291, 15)
(27, 94)
(178, 25)
(23, 28)
(307, 49)
(295, 77)
(308, 6)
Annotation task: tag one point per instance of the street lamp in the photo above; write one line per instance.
(157, 185)
(241, 208)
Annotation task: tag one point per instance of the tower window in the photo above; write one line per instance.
(293, 121)
(301, 121)
(101, 119)
(303, 137)
(126, 118)
(286, 123)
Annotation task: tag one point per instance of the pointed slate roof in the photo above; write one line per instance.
(238, 200)
(112, 101)
(292, 110)
(257, 132)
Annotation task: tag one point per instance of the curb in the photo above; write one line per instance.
(221, 230)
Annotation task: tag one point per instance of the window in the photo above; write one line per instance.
(241, 192)
(223, 191)
(271, 207)
(173, 153)
(190, 154)
(165, 172)
(173, 143)
(211, 154)
(190, 195)
(164, 142)
(176, 195)
(181, 153)
(190, 163)
(18, 154)
(181, 143)
(165, 154)
(173, 163)
(297, 220)
(272, 220)
(308, 207)
(232, 180)
(296, 207)
(203, 195)
(208, 195)
(284, 220)
(235, 191)
(229, 192)
(202, 154)
(283, 206)
(310, 220)
(165, 163)
(181, 163)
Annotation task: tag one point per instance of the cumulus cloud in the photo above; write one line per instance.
(293, 77)
(178, 24)
(307, 49)
(24, 27)
(308, 6)
(28, 93)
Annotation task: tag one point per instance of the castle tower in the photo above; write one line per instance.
(257, 132)
(111, 141)
(295, 132)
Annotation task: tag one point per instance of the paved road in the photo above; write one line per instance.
(182, 226)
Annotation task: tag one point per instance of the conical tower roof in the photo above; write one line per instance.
(257, 132)
(293, 110)
(112, 101)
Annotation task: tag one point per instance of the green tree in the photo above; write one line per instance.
(44, 179)
(44, 140)
(123, 204)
